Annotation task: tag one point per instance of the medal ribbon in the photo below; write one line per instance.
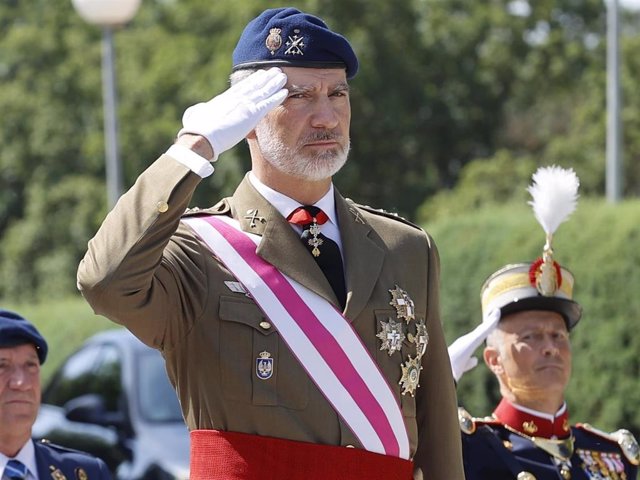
(318, 335)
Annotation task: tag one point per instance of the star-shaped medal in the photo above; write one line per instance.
(403, 304)
(410, 380)
(391, 335)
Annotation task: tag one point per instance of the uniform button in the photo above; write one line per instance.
(162, 207)
(265, 325)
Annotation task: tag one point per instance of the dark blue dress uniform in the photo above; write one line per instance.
(59, 463)
(53, 461)
(512, 445)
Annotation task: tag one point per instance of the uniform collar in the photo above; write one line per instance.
(534, 423)
(27, 455)
(285, 205)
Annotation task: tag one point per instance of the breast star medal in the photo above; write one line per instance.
(403, 304)
(421, 338)
(391, 335)
(410, 380)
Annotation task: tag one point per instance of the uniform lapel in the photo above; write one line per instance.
(280, 245)
(364, 254)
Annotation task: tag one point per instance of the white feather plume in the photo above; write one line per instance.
(555, 195)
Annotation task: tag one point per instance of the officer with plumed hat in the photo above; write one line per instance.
(528, 312)
(22, 351)
(300, 329)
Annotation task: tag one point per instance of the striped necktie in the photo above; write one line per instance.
(15, 470)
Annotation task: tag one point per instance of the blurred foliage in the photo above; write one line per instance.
(442, 85)
(599, 244)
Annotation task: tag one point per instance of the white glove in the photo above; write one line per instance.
(227, 118)
(461, 350)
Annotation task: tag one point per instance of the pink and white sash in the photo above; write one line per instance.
(318, 335)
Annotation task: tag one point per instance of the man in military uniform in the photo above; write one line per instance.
(528, 312)
(295, 323)
(22, 351)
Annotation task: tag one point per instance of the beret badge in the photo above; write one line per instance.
(274, 40)
(295, 44)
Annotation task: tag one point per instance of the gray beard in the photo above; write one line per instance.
(312, 167)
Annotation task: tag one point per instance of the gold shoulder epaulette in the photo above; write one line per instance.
(624, 438)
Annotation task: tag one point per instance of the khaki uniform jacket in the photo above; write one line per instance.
(145, 270)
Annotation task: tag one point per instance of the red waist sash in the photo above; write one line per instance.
(217, 455)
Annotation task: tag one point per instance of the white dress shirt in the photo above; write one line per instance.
(27, 455)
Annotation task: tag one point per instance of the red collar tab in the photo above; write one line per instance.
(532, 425)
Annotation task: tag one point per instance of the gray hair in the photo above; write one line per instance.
(240, 75)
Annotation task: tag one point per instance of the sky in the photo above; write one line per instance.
(631, 4)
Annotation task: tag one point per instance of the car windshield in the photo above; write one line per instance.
(158, 400)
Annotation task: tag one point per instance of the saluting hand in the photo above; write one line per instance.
(461, 350)
(227, 118)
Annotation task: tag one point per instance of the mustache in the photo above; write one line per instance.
(322, 136)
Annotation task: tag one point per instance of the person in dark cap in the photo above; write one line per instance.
(300, 329)
(22, 351)
(529, 312)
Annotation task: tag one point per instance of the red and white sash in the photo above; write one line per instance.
(318, 335)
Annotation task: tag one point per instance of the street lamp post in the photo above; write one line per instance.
(614, 102)
(109, 14)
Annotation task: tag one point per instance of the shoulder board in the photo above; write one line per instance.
(62, 449)
(624, 438)
(469, 424)
(383, 213)
(220, 208)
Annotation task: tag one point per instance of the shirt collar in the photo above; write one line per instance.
(285, 205)
(27, 455)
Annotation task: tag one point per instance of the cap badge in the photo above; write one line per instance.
(295, 44)
(403, 304)
(410, 380)
(545, 275)
(274, 40)
(391, 335)
(264, 366)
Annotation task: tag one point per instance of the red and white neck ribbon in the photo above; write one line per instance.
(322, 340)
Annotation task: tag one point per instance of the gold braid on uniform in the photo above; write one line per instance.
(560, 449)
